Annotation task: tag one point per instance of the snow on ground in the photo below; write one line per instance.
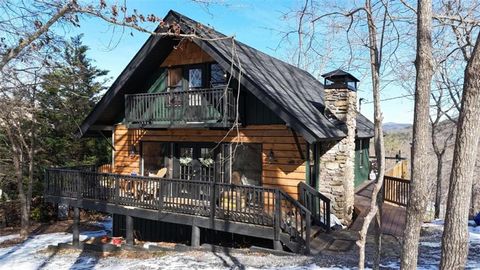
(431, 243)
(25, 255)
(31, 255)
(8, 237)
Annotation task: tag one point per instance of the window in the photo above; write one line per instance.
(186, 162)
(247, 164)
(195, 78)
(217, 75)
(155, 159)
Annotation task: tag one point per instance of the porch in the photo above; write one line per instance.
(262, 212)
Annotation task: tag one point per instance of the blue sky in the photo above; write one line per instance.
(250, 21)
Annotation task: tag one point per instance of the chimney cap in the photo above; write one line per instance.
(339, 79)
(337, 73)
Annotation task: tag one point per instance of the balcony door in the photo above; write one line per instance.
(194, 98)
(196, 161)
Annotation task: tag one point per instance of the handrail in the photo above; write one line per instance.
(396, 190)
(256, 205)
(317, 203)
(295, 219)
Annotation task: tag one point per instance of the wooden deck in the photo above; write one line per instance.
(393, 218)
(250, 210)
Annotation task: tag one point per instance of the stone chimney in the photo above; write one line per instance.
(337, 158)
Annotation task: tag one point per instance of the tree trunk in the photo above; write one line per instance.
(455, 233)
(31, 171)
(438, 193)
(17, 158)
(420, 183)
(376, 200)
(24, 218)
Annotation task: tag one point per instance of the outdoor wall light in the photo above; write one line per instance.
(271, 156)
(133, 150)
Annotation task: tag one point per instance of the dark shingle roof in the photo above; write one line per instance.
(293, 91)
(294, 94)
(365, 127)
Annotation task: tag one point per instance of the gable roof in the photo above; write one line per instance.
(292, 93)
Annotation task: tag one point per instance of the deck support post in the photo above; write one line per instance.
(75, 229)
(129, 229)
(195, 241)
(277, 245)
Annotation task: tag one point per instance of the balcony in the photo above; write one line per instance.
(210, 107)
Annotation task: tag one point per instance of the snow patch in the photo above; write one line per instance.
(9, 237)
(431, 244)
(474, 233)
(26, 254)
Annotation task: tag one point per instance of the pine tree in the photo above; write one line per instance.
(69, 94)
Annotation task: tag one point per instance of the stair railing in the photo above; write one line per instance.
(317, 203)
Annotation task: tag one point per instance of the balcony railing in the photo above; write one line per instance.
(205, 107)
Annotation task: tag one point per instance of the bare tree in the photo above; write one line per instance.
(377, 200)
(455, 234)
(345, 32)
(418, 196)
(439, 147)
(18, 121)
(29, 37)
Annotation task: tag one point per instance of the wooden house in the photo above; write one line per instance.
(213, 135)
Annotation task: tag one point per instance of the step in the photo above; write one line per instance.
(315, 231)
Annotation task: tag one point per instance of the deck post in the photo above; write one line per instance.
(277, 245)
(195, 242)
(75, 229)
(129, 229)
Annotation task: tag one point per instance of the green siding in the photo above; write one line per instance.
(158, 82)
(255, 112)
(362, 163)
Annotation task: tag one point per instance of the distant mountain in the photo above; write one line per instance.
(391, 126)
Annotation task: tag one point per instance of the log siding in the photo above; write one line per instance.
(285, 172)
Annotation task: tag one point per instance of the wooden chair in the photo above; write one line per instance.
(152, 189)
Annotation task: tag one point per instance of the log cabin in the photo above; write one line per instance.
(211, 136)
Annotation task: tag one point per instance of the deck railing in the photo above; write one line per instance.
(211, 105)
(396, 190)
(317, 203)
(246, 204)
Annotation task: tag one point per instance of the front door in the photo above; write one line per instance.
(196, 161)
